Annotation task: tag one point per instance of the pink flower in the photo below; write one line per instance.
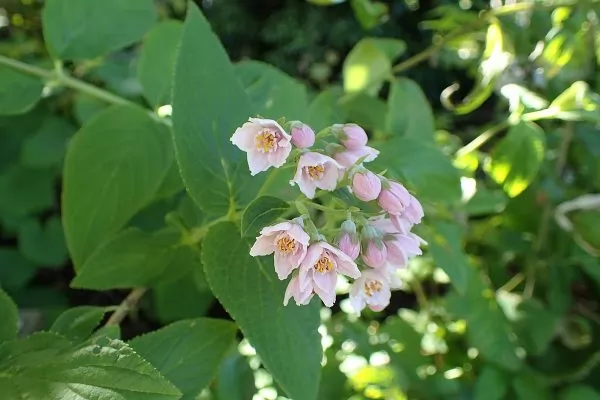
(352, 136)
(371, 289)
(265, 142)
(350, 157)
(412, 215)
(320, 268)
(366, 186)
(316, 171)
(348, 239)
(394, 198)
(401, 247)
(302, 135)
(301, 295)
(288, 241)
(375, 254)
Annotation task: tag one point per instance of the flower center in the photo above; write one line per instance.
(286, 245)
(315, 171)
(372, 287)
(324, 264)
(266, 141)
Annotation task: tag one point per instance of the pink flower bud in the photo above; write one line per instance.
(353, 137)
(349, 246)
(395, 198)
(302, 135)
(366, 185)
(375, 255)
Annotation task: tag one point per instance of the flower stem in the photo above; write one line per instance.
(126, 306)
(482, 139)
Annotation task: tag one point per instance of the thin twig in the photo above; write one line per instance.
(129, 303)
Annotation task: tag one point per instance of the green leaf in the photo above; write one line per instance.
(585, 225)
(15, 270)
(491, 384)
(25, 191)
(9, 316)
(88, 29)
(423, 167)
(157, 62)
(188, 353)
(369, 13)
(516, 159)
(171, 184)
(536, 326)
(579, 392)
(409, 112)
(405, 343)
(445, 245)
(214, 171)
(576, 103)
(260, 213)
(18, 92)
(78, 323)
(527, 385)
(47, 146)
(181, 299)
(47, 366)
(113, 168)
(366, 68)
(486, 201)
(366, 111)
(131, 258)
(85, 107)
(235, 380)
(251, 293)
(273, 94)
(43, 245)
(325, 110)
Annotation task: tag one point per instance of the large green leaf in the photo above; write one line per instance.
(409, 113)
(18, 92)
(579, 392)
(78, 323)
(25, 190)
(423, 168)
(47, 366)
(273, 94)
(157, 62)
(325, 109)
(366, 67)
(250, 291)
(43, 245)
(516, 159)
(182, 298)
(47, 146)
(235, 380)
(445, 245)
(260, 213)
(491, 384)
(133, 258)
(84, 29)
(9, 317)
(15, 270)
(208, 105)
(113, 168)
(188, 352)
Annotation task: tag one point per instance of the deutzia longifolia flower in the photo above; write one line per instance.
(394, 197)
(401, 247)
(301, 295)
(316, 171)
(265, 142)
(352, 136)
(288, 241)
(412, 215)
(320, 268)
(366, 186)
(374, 250)
(348, 158)
(348, 240)
(302, 135)
(371, 289)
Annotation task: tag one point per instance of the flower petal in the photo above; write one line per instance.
(263, 246)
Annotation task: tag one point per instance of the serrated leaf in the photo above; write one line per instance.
(273, 93)
(130, 259)
(491, 384)
(47, 146)
(253, 296)
(366, 68)
(78, 323)
(209, 104)
(9, 316)
(114, 166)
(188, 352)
(85, 29)
(447, 250)
(516, 159)
(157, 62)
(422, 167)
(19, 92)
(47, 366)
(260, 213)
(409, 112)
(43, 245)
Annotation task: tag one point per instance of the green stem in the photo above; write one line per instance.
(482, 139)
(420, 294)
(126, 306)
(512, 283)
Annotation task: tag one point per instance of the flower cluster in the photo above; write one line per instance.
(369, 247)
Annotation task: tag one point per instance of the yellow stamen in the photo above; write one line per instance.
(286, 245)
(324, 264)
(372, 287)
(266, 141)
(315, 171)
